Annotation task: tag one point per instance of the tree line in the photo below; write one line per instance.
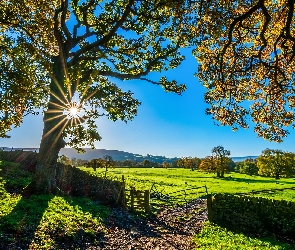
(271, 163)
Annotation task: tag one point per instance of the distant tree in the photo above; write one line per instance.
(81, 162)
(165, 164)
(96, 163)
(180, 163)
(191, 163)
(208, 165)
(275, 163)
(173, 164)
(64, 160)
(232, 166)
(238, 166)
(222, 160)
(74, 161)
(108, 162)
(127, 163)
(249, 166)
(146, 163)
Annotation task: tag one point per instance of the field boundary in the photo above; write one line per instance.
(152, 199)
(252, 214)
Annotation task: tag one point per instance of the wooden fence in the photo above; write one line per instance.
(138, 200)
(153, 199)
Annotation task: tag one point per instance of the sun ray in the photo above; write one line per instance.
(52, 129)
(79, 119)
(59, 106)
(58, 98)
(53, 111)
(60, 132)
(54, 117)
(59, 87)
(90, 95)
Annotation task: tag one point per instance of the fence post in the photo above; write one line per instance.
(132, 193)
(147, 201)
(124, 200)
(209, 206)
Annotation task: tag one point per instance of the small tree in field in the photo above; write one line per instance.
(276, 163)
(165, 164)
(249, 166)
(108, 162)
(191, 163)
(222, 160)
(208, 165)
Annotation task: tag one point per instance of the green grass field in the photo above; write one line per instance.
(175, 179)
(50, 222)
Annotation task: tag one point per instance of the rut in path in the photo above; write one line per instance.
(170, 229)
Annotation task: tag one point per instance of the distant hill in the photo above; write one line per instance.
(116, 155)
(100, 153)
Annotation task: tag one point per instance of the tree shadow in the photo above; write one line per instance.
(83, 238)
(17, 228)
(248, 180)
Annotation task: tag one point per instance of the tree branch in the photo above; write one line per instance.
(104, 39)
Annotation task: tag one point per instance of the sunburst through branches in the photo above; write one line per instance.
(68, 113)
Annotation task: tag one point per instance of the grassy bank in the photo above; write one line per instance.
(44, 221)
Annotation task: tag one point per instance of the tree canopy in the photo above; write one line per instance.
(246, 53)
(52, 50)
(276, 163)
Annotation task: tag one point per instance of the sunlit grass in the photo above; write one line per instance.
(213, 237)
(45, 221)
(175, 179)
(64, 221)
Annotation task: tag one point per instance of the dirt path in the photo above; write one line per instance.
(169, 229)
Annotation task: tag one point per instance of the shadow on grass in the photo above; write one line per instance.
(247, 180)
(94, 237)
(17, 228)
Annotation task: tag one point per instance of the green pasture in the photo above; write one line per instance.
(172, 180)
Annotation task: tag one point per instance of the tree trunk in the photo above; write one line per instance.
(45, 176)
(44, 180)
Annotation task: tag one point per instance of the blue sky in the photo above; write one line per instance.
(167, 124)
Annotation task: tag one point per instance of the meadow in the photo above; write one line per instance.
(54, 222)
(172, 180)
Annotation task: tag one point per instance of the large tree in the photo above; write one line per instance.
(62, 55)
(246, 52)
